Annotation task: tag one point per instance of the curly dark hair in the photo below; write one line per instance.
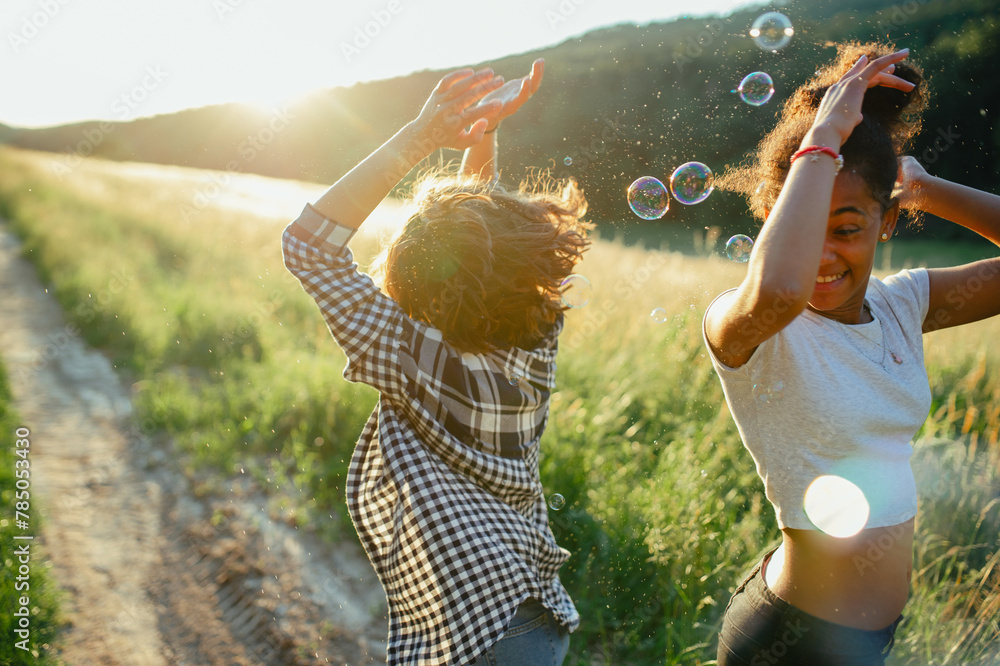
(891, 118)
(485, 265)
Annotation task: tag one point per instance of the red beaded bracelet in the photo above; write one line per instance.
(815, 151)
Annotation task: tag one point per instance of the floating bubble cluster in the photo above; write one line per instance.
(756, 88)
(647, 197)
(691, 183)
(556, 501)
(836, 506)
(772, 31)
(568, 161)
(576, 291)
(738, 248)
(659, 315)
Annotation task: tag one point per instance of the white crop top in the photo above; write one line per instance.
(824, 398)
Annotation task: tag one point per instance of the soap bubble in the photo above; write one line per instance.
(772, 31)
(557, 501)
(738, 248)
(659, 315)
(576, 291)
(756, 88)
(515, 378)
(568, 161)
(836, 506)
(692, 182)
(647, 197)
(768, 392)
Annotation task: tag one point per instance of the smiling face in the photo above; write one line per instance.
(854, 229)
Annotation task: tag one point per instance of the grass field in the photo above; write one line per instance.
(664, 511)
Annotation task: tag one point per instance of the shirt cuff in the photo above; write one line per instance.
(318, 231)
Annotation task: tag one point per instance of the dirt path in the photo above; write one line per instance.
(152, 573)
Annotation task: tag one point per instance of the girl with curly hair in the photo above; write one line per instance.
(829, 182)
(443, 486)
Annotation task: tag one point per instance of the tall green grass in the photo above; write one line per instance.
(663, 510)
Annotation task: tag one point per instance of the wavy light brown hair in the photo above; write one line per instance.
(891, 118)
(482, 264)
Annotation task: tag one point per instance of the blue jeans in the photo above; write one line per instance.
(760, 628)
(534, 638)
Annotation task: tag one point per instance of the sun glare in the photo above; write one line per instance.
(836, 506)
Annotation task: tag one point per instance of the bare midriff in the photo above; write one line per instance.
(861, 581)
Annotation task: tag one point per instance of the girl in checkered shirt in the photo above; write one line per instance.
(443, 486)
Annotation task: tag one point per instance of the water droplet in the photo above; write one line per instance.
(756, 88)
(576, 291)
(659, 315)
(772, 31)
(738, 248)
(647, 197)
(691, 183)
(556, 501)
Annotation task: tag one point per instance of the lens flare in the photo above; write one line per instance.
(836, 506)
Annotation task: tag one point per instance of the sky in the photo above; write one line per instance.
(65, 61)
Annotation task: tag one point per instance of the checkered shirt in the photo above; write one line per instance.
(443, 485)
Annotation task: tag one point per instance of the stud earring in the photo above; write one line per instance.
(885, 236)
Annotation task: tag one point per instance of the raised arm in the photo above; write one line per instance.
(451, 118)
(481, 158)
(958, 294)
(785, 260)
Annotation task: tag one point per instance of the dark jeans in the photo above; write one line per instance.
(759, 629)
(534, 638)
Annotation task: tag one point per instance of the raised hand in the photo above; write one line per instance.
(454, 115)
(515, 93)
(909, 182)
(840, 109)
